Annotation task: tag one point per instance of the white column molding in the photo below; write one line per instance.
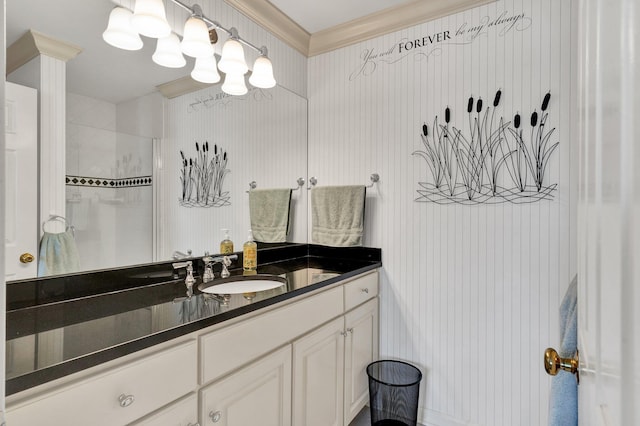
(52, 140)
(52, 92)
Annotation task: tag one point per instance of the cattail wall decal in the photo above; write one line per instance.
(205, 177)
(476, 167)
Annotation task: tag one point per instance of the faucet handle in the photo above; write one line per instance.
(178, 265)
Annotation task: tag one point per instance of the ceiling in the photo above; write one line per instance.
(314, 15)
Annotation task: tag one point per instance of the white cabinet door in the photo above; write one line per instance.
(259, 394)
(318, 369)
(361, 348)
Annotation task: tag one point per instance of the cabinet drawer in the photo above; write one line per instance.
(231, 347)
(180, 413)
(152, 382)
(360, 290)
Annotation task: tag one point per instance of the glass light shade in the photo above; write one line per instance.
(120, 32)
(234, 84)
(150, 18)
(205, 70)
(168, 53)
(232, 61)
(262, 75)
(195, 40)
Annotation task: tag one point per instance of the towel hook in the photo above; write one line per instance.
(313, 181)
(53, 217)
(300, 182)
(252, 185)
(374, 179)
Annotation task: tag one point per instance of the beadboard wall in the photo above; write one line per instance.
(469, 293)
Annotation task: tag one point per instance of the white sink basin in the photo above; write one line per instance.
(244, 284)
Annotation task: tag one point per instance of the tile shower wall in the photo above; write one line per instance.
(469, 293)
(109, 209)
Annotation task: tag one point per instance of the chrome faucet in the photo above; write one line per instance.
(225, 261)
(189, 280)
(208, 269)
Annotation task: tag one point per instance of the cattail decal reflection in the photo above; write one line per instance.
(493, 161)
(202, 178)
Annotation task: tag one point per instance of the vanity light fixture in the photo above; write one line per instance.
(150, 18)
(195, 38)
(199, 35)
(234, 84)
(168, 52)
(232, 61)
(205, 70)
(120, 32)
(262, 74)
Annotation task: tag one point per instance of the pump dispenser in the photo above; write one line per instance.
(250, 254)
(226, 245)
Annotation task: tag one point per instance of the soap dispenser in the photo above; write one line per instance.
(250, 254)
(226, 245)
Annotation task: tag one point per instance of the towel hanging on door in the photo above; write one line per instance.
(563, 403)
(58, 254)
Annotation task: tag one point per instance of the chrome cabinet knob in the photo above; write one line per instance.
(365, 290)
(215, 416)
(350, 330)
(126, 400)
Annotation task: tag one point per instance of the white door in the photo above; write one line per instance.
(608, 136)
(21, 230)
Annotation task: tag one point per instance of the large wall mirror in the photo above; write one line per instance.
(122, 131)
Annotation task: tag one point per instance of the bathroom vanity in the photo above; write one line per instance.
(130, 346)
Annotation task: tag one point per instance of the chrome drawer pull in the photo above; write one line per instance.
(215, 416)
(365, 290)
(126, 400)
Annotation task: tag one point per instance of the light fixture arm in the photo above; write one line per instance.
(232, 32)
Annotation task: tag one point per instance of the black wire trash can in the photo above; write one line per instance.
(394, 387)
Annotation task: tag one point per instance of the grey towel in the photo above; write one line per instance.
(337, 215)
(58, 254)
(269, 213)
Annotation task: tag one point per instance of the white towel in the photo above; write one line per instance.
(269, 213)
(58, 254)
(337, 215)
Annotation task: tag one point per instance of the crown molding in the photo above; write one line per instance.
(272, 19)
(180, 86)
(383, 22)
(386, 21)
(32, 44)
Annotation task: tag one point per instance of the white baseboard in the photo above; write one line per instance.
(434, 418)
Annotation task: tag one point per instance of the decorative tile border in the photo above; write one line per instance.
(95, 182)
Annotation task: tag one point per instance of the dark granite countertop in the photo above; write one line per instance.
(91, 318)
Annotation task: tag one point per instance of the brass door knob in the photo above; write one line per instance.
(26, 258)
(553, 363)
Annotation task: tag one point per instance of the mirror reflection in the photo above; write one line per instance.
(126, 145)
